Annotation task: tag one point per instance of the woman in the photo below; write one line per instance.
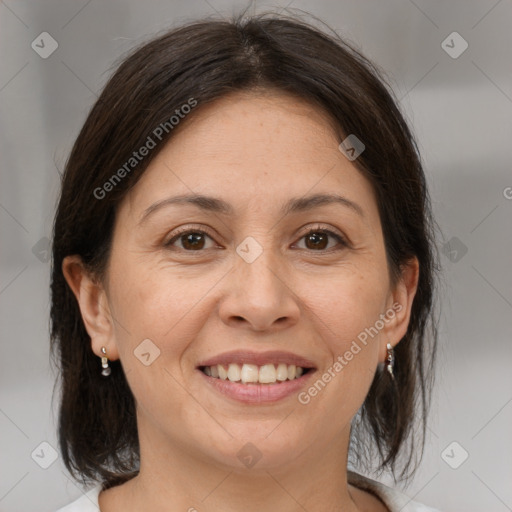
(243, 278)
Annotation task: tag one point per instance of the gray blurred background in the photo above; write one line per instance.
(459, 102)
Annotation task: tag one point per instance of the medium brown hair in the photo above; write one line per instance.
(207, 60)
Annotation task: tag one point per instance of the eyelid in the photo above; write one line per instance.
(342, 240)
(189, 229)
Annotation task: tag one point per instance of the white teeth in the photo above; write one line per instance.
(223, 374)
(234, 372)
(282, 372)
(267, 374)
(251, 373)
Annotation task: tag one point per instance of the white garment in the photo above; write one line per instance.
(395, 500)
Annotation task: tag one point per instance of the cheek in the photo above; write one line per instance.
(157, 318)
(349, 301)
(345, 319)
(152, 301)
(347, 311)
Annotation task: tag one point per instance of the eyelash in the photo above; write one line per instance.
(336, 236)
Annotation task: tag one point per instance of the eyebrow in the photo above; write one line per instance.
(216, 205)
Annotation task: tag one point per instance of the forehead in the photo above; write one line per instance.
(255, 150)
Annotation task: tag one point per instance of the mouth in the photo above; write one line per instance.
(257, 377)
(270, 373)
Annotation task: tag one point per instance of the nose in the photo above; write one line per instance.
(260, 296)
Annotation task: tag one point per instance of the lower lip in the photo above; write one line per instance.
(258, 393)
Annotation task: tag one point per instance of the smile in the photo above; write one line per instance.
(253, 374)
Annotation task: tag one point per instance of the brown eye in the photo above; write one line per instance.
(191, 240)
(318, 239)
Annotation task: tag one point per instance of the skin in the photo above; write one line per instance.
(255, 151)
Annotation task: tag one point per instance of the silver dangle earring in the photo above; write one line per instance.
(390, 360)
(104, 363)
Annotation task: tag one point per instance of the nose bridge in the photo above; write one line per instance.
(259, 293)
(257, 268)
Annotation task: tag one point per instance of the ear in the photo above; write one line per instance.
(93, 302)
(398, 312)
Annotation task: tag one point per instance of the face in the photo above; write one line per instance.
(264, 275)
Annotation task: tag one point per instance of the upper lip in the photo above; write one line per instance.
(258, 358)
